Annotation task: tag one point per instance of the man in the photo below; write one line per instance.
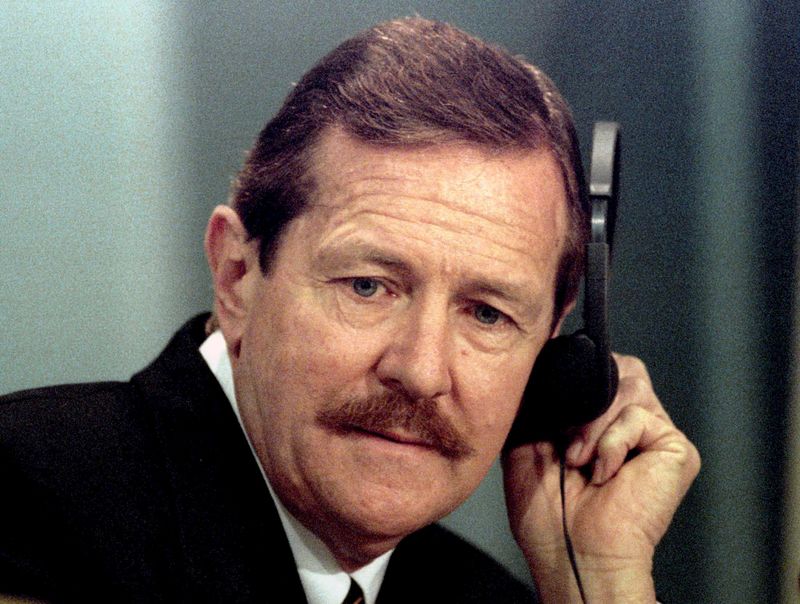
(405, 236)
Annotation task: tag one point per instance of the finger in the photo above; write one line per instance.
(629, 365)
(533, 464)
(635, 388)
(530, 477)
(634, 429)
(533, 470)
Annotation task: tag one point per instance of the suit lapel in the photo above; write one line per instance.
(229, 532)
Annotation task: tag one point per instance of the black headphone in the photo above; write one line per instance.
(575, 378)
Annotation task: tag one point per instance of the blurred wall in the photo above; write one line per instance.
(124, 122)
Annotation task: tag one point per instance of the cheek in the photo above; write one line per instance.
(492, 393)
(313, 354)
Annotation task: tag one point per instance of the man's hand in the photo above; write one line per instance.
(626, 474)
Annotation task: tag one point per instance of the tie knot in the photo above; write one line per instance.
(355, 595)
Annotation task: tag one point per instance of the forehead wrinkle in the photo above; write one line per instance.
(405, 203)
(369, 179)
(361, 189)
(348, 171)
(448, 225)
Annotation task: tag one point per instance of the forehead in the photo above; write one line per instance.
(516, 197)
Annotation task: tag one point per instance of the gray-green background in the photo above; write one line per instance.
(123, 122)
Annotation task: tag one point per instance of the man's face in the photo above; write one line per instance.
(381, 361)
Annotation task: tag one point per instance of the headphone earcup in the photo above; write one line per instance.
(571, 384)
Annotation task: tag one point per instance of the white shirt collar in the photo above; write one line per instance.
(324, 581)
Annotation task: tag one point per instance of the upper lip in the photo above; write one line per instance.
(398, 436)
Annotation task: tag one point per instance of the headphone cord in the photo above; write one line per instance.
(570, 550)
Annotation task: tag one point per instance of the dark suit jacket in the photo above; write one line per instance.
(147, 491)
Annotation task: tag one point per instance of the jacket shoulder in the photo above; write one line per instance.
(81, 463)
(37, 420)
(53, 395)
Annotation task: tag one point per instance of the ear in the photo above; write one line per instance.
(233, 260)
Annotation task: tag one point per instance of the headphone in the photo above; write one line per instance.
(575, 378)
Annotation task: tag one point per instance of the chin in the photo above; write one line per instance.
(388, 511)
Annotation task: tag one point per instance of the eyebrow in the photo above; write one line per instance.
(520, 298)
(384, 259)
(499, 288)
(513, 293)
(363, 252)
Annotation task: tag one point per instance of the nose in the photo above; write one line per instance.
(417, 359)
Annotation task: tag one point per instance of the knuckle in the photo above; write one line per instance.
(630, 415)
(631, 366)
(694, 461)
(689, 458)
(619, 431)
(641, 387)
(608, 444)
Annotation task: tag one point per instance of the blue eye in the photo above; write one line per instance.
(365, 287)
(487, 314)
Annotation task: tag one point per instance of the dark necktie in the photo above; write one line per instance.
(355, 595)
